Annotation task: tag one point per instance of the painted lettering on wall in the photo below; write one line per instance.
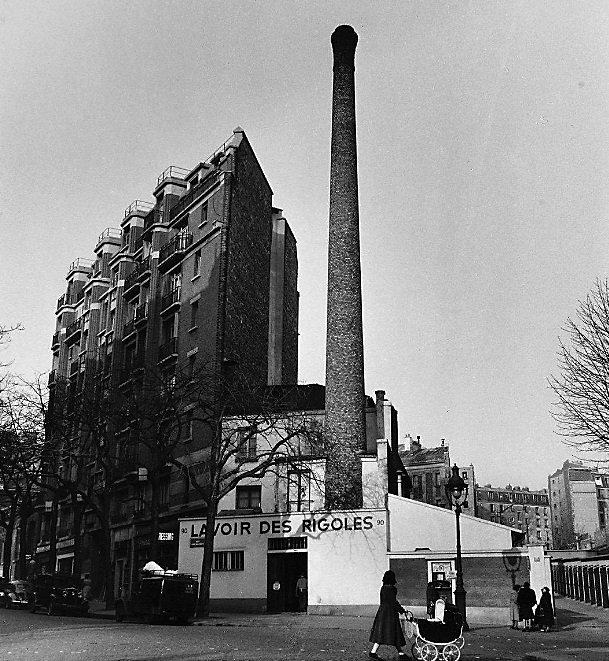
(312, 525)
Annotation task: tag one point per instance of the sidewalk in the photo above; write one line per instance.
(581, 634)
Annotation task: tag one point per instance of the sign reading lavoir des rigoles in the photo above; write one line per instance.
(311, 525)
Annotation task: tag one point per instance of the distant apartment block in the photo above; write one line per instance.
(429, 470)
(517, 507)
(579, 500)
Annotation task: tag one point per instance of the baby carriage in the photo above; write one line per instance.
(440, 638)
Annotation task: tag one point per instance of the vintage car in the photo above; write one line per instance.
(160, 595)
(57, 593)
(15, 594)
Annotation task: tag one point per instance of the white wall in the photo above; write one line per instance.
(414, 524)
(346, 559)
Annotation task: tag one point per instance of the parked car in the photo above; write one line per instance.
(16, 594)
(161, 595)
(57, 593)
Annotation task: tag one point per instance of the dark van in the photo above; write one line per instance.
(161, 595)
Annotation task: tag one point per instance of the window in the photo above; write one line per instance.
(248, 497)
(228, 561)
(287, 543)
(204, 214)
(247, 445)
(197, 264)
(299, 490)
(194, 314)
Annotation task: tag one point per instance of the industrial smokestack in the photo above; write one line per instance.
(345, 414)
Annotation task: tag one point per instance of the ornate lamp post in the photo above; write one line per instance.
(456, 493)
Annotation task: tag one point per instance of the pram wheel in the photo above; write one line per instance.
(451, 652)
(416, 651)
(429, 652)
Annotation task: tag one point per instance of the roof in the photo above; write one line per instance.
(437, 455)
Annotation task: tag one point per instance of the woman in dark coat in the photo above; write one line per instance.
(526, 601)
(386, 629)
(544, 616)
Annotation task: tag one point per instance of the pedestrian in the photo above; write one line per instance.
(544, 615)
(86, 588)
(386, 629)
(526, 601)
(514, 606)
(302, 593)
(431, 598)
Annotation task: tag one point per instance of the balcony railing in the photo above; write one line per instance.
(73, 329)
(141, 312)
(108, 234)
(61, 301)
(170, 299)
(193, 194)
(52, 375)
(137, 207)
(170, 348)
(129, 328)
(176, 247)
(55, 341)
(172, 172)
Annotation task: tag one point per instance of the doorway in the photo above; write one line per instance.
(283, 570)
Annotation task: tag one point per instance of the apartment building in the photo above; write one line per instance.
(203, 277)
(517, 507)
(429, 470)
(579, 500)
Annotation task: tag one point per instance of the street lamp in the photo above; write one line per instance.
(456, 492)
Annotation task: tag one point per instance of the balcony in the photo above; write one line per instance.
(73, 331)
(170, 299)
(137, 208)
(194, 194)
(128, 329)
(174, 250)
(74, 365)
(172, 172)
(169, 349)
(52, 375)
(55, 341)
(152, 218)
(132, 280)
(61, 301)
(141, 313)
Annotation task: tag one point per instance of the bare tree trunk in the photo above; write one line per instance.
(21, 568)
(106, 553)
(53, 536)
(208, 552)
(8, 544)
(77, 536)
(154, 517)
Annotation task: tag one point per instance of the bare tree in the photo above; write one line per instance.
(582, 387)
(250, 430)
(21, 440)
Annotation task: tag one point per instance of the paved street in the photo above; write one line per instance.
(25, 636)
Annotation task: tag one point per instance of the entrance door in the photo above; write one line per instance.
(283, 570)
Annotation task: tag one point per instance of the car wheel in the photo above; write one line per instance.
(119, 613)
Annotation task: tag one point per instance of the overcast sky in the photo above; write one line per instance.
(483, 144)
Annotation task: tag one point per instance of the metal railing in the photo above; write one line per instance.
(169, 299)
(178, 244)
(172, 172)
(168, 349)
(198, 191)
(138, 206)
(73, 328)
(109, 233)
(141, 312)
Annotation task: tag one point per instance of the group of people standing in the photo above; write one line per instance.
(522, 608)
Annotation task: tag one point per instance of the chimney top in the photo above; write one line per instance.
(344, 39)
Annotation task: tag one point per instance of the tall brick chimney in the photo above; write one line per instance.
(345, 414)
